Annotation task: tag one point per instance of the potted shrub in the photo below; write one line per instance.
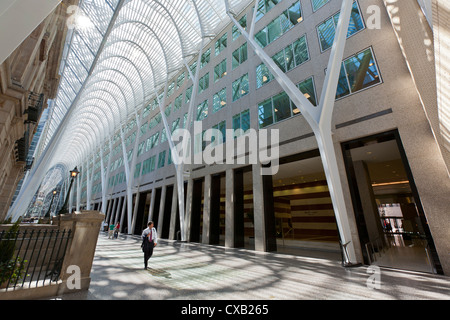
(11, 269)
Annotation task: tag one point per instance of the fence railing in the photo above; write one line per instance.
(376, 248)
(30, 258)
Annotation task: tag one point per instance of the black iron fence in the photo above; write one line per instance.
(31, 258)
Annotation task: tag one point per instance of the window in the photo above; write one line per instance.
(264, 6)
(178, 102)
(193, 68)
(137, 170)
(170, 89)
(276, 28)
(220, 70)
(261, 37)
(202, 110)
(203, 83)
(220, 44)
(263, 75)
(265, 113)
(219, 100)
(308, 90)
(161, 159)
(169, 157)
(180, 80)
(357, 72)
(185, 120)
(148, 165)
(239, 56)
(317, 4)
(240, 87)
(163, 135)
(293, 55)
(168, 110)
(235, 31)
(241, 121)
(199, 143)
(326, 30)
(152, 141)
(276, 108)
(205, 58)
(175, 124)
(281, 106)
(143, 129)
(188, 94)
(222, 128)
(154, 104)
(154, 121)
(141, 148)
(145, 113)
(300, 50)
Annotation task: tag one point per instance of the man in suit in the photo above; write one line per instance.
(149, 241)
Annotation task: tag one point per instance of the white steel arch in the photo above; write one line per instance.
(112, 69)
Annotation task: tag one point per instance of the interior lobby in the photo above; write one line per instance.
(99, 100)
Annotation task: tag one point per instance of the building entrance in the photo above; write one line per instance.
(304, 216)
(391, 223)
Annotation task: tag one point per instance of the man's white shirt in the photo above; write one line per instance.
(146, 232)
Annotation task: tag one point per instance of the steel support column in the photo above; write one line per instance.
(319, 118)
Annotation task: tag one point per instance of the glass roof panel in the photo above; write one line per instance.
(117, 58)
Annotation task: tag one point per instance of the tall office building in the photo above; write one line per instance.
(133, 71)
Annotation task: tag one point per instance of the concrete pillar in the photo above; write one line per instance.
(234, 209)
(135, 209)
(85, 228)
(369, 206)
(188, 208)
(196, 210)
(152, 205)
(264, 216)
(122, 213)
(119, 206)
(174, 218)
(207, 210)
(113, 211)
(162, 206)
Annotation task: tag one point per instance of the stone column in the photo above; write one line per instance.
(188, 208)
(369, 206)
(162, 205)
(234, 209)
(206, 233)
(80, 252)
(152, 206)
(264, 216)
(174, 218)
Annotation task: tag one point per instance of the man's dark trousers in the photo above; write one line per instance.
(148, 251)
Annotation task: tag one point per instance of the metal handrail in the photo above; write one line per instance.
(33, 262)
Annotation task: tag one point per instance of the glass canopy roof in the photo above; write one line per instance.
(118, 54)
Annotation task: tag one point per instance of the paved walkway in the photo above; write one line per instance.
(191, 271)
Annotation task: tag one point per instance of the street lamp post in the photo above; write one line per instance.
(47, 215)
(73, 175)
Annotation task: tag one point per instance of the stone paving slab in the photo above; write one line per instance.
(190, 271)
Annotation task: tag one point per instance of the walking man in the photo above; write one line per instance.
(149, 241)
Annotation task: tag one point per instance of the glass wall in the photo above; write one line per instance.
(326, 30)
(280, 107)
(277, 27)
(391, 223)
